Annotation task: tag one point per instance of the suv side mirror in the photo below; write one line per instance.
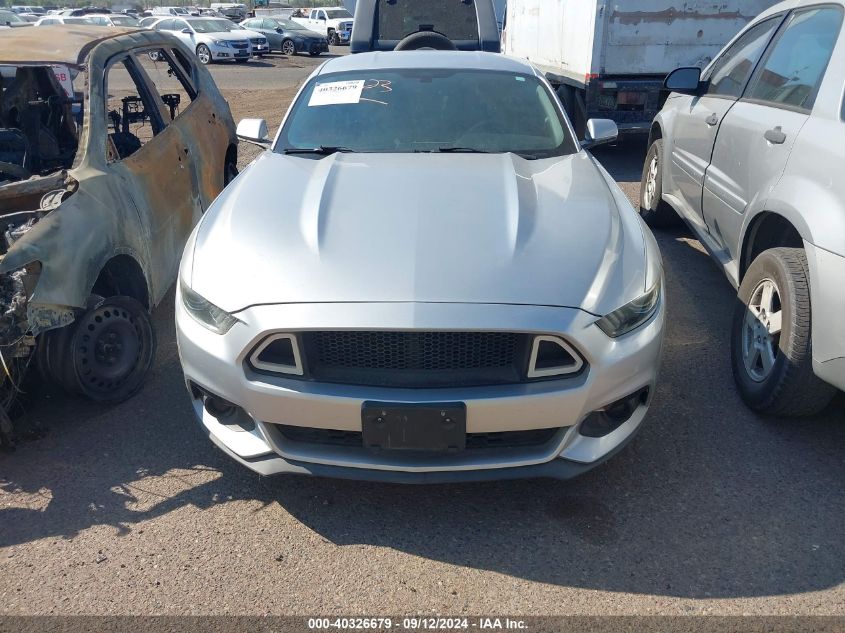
(684, 80)
(254, 131)
(599, 132)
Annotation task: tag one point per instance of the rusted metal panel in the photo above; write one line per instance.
(60, 44)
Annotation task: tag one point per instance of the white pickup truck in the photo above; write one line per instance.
(334, 22)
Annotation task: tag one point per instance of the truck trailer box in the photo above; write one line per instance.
(608, 59)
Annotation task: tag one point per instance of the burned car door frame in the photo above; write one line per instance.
(90, 240)
(158, 174)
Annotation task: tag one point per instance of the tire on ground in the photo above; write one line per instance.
(791, 389)
(654, 210)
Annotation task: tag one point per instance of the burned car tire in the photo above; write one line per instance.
(112, 349)
(771, 346)
(653, 209)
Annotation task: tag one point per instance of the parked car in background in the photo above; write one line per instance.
(387, 25)
(177, 11)
(147, 22)
(230, 10)
(212, 39)
(95, 207)
(610, 59)
(114, 19)
(8, 19)
(84, 11)
(335, 23)
(30, 17)
(27, 9)
(287, 36)
(260, 44)
(750, 154)
(509, 324)
(54, 20)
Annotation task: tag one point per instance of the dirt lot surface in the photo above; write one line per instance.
(712, 510)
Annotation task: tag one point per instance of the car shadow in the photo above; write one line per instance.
(710, 501)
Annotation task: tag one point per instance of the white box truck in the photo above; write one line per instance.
(608, 59)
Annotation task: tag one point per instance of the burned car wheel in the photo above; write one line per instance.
(113, 346)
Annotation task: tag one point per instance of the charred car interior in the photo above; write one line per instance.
(111, 147)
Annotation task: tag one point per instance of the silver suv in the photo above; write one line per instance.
(749, 153)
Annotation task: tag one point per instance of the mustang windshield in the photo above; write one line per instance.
(427, 110)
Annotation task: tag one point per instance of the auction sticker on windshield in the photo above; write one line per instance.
(337, 92)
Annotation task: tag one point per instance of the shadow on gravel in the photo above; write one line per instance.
(709, 501)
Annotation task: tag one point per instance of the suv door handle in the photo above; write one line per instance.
(775, 136)
(712, 120)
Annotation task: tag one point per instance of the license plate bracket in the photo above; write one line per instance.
(427, 427)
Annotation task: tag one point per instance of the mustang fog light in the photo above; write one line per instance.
(206, 313)
(600, 423)
(632, 315)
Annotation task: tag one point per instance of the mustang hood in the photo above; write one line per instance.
(457, 228)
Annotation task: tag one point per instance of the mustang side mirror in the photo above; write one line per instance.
(254, 131)
(599, 132)
(186, 30)
(684, 80)
(279, 29)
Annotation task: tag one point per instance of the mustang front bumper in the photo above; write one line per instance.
(616, 368)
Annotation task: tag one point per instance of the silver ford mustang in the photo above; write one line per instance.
(424, 278)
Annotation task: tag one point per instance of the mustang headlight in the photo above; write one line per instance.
(221, 43)
(632, 315)
(206, 313)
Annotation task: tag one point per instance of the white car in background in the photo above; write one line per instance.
(113, 19)
(53, 20)
(212, 39)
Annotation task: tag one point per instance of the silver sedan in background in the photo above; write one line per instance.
(750, 154)
(424, 278)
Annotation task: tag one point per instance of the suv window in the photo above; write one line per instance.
(399, 18)
(793, 69)
(164, 25)
(731, 71)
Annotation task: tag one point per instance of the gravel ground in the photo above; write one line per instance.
(711, 510)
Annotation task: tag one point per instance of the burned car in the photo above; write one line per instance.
(107, 161)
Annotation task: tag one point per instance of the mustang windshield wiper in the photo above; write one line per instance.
(323, 149)
(461, 150)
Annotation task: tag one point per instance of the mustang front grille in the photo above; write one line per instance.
(416, 359)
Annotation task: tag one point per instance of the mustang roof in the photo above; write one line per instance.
(55, 44)
(469, 60)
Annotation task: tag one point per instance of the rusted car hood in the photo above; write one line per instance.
(420, 228)
(56, 44)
